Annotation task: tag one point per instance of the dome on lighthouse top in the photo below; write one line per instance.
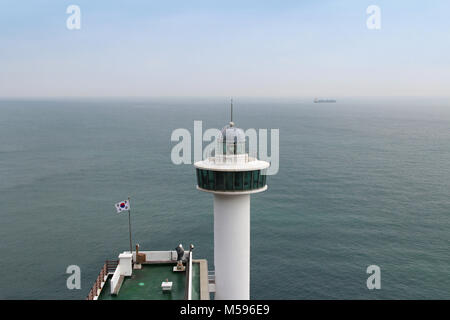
(232, 134)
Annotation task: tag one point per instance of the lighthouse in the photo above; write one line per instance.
(231, 175)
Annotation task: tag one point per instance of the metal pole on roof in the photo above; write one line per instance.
(231, 109)
(129, 224)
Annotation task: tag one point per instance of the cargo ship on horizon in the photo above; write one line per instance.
(316, 100)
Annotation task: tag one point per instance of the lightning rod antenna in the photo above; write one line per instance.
(231, 111)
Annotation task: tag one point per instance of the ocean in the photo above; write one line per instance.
(361, 182)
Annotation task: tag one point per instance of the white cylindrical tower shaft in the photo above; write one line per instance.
(232, 176)
(232, 246)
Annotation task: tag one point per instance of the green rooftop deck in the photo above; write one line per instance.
(145, 284)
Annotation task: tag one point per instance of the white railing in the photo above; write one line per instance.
(190, 277)
(115, 279)
(231, 159)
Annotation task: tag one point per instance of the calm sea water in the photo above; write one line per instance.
(360, 183)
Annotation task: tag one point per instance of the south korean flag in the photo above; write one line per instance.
(123, 206)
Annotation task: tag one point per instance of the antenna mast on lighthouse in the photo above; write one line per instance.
(231, 121)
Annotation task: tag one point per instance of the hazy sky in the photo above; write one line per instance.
(224, 48)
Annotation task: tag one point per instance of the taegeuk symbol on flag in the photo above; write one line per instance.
(122, 206)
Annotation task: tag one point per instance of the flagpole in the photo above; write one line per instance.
(129, 224)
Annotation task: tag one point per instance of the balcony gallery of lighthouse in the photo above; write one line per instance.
(231, 175)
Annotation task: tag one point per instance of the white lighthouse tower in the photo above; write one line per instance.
(232, 176)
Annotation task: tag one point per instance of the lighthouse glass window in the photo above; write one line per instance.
(238, 180)
(247, 180)
(231, 148)
(220, 180)
(211, 180)
(204, 178)
(230, 181)
(255, 179)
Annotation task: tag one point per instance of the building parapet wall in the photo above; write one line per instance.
(160, 256)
